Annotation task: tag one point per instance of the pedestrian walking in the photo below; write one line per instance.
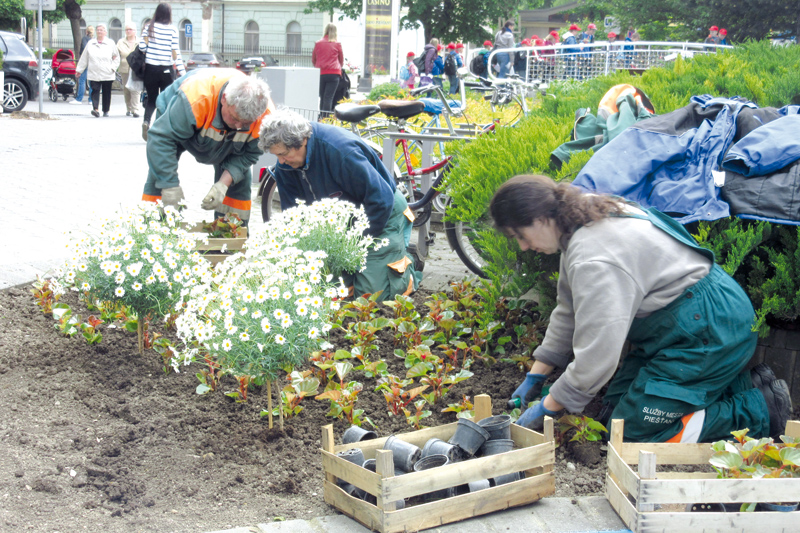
(89, 35)
(328, 58)
(100, 60)
(125, 46)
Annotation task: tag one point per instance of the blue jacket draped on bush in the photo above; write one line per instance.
(670, 161)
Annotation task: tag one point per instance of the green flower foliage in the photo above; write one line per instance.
(767, 75)
(384, 90)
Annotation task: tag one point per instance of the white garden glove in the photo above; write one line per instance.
(213, 199)
(171, 196)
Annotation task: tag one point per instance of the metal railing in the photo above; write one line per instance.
(286, 58)
(578, 62)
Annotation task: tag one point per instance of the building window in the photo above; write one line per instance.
(83, 27)
(185, 41)
(115, 30)
(294, 38)
(251, 38)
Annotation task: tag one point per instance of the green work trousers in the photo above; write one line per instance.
(390, 269)
(688, 357)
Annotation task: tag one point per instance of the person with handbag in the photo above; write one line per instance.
(126, 45)
(328, 58)
(162, 51)
(100, 60)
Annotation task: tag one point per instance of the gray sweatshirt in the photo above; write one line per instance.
(611, 272)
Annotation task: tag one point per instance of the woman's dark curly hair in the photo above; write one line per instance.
(523, 199)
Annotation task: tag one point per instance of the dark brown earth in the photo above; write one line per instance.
(99, 438)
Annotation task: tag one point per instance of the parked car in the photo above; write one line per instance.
(20, 71)
(204, 60)
(249, 64)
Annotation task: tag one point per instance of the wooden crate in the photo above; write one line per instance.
(648, 500)
(535, 455)
(213, 250)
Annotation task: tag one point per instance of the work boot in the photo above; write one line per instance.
(779, 404)
(145, 127)
(761, 374)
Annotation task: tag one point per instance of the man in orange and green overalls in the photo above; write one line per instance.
(215, 115)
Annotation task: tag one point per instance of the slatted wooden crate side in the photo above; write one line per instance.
(634, 495)
(535, 456)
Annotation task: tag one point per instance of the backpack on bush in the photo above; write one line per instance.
(404, 73)
(419, 62)
(450, 66)
(477, 66)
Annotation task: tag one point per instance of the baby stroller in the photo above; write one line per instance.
(62, 79)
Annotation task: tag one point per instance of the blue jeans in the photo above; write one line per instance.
(505, 64)
(453, 84)
(82, 85)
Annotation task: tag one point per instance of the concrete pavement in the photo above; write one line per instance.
(64, 171)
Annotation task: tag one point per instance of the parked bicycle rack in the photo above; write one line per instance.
(425, 237)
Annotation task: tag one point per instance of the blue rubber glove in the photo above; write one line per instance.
(533, 418)
(530, 389)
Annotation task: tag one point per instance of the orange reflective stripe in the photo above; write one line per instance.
(684, 421)
(150, 198)
(410, 288)
(244, 205)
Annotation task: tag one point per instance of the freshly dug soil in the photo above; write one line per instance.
(99, 438)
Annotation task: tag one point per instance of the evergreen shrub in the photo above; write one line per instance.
(764, 258)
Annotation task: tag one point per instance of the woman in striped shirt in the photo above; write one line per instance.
(163, 55)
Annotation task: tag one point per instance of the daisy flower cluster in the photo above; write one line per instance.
(329, 225)
(258, 317)
(143, 258)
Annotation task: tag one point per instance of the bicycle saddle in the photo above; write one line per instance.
(355, 112)
(401, 108)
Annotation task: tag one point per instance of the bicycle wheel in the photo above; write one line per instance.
(270, 199)
(463, 238)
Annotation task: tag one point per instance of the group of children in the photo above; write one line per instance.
(439, 66)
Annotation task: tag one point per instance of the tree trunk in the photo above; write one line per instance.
(73, 12)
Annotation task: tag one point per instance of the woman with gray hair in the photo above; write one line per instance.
(318, 161)
(100, 60)
(126, 45)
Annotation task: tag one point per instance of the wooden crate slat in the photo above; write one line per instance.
(469, 505)
(667, 453)
(745, 522)
(455, 474)
(352, 473)
(526, 437)
(623, 473)
(367, 514)
(718, 490)
(369, 446)
(686, 475)
(624, 508)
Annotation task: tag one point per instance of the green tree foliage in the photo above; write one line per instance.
(451, 20)
(12, 10)
(690, 19)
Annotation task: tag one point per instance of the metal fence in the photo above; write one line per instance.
(286, 58)
(61, 42)
(580, 62)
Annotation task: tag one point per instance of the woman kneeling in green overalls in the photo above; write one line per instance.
(632, 274)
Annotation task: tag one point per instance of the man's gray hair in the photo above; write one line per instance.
(101, 25)
(285, 127)
(249, 97)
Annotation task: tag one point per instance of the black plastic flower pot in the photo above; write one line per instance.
(706, 508)
(353, 455)
(404, 453)
(439, 447)
(499, 427)
(371, 465)
(474, 486)
(493, 447)
(427, 463)
(507, 478)
(357, 434)
(469, 436)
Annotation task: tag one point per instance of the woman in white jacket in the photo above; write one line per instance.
(100, 60)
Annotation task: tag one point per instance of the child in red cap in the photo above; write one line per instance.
(723, 36)
(409, 71)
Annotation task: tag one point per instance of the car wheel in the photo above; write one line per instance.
(15, 96)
